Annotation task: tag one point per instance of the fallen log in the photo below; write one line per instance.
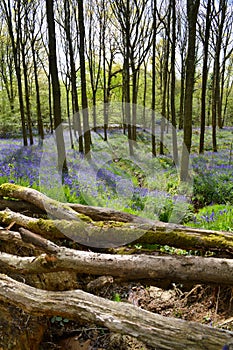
(112, 234)
(93, 234)
(121, 228)
(95, 213)
(153, 329)
(191, 269)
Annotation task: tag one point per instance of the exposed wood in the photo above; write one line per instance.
(14, 237)
(99, 282)
(38, 241)
(155, 330)
(126, 267)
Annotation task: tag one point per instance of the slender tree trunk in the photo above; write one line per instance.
(173, 83)
(134, 100)
(87, 132)
(11, 90)
(75, 105)
(127, 77)
(192, 11)
(104, 75)
(61, 153)
(214, 106)
(38, 103)
(182, 90)
(144, 94)
(205, 76)
(165, 90)
(216, 103)
(68, 113)
(153, 81)
(27, 94)
(50, 104)
(94, 58)
(6, 6)
(229, 87)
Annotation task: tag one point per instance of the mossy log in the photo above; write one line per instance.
(113, 234)
(82, 224)
(153, 329)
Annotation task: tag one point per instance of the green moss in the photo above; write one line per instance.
(184, 240)
(84, 218)
(7, 189)
(4, 217)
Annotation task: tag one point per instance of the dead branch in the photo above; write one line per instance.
(125, 267)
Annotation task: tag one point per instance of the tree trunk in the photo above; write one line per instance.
(216, 106)
(205, 76)
(173, 83)
(86, 127)
(192, 11)
(153, 80)
(61, 153)
(165, 83)
(27, 94)
(182, 89)
(38, 103)
(126, 36)
(76, 114)
(15, 47)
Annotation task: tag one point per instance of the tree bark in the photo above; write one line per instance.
(205, 75)
(192, 11)
(61, 152)
(155, 330)
(61, 211)
(15, 42)
(124, 267)
(75, 104)
(153, 79)
(173, 84)
(86, 127)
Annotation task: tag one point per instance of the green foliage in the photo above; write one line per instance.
(214, 217)
(116, 297)
(209, 189)
(59, 320)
